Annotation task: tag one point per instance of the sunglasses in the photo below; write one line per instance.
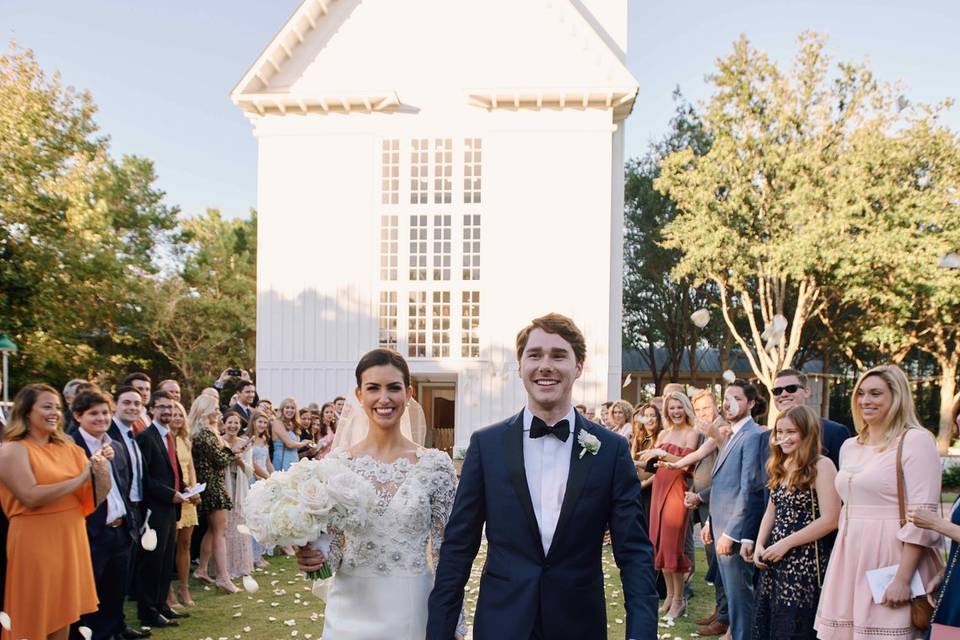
(790, 388)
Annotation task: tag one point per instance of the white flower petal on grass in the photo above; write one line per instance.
(4, 620)
(949, 261)
(250, 584)
(700, 317)
(729, 376)
(85, 632)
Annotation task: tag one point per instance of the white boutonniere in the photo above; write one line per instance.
(589, 442)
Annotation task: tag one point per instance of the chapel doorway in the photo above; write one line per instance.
(439, 402)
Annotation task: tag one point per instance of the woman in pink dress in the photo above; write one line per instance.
(870, 534)
(668, 515)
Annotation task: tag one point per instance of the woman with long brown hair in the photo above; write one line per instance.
(802, 509)
(46, 492)
(647, 425)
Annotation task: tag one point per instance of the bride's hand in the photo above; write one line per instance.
(309, 559)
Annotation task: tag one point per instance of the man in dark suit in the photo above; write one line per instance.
(128, 407)
(246, 397)
(111, 529)
(162, 484)
(545, 485)
(790, 389)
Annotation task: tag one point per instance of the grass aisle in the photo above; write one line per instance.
(284, 608)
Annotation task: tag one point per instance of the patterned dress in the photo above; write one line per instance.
(790, 589)
(212, 459)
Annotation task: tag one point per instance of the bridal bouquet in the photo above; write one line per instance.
(298, 506)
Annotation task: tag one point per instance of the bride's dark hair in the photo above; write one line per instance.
(381, 357)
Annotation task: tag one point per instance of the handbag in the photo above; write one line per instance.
(921, 611)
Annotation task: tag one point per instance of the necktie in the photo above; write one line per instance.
(539, 428)
(172, 455)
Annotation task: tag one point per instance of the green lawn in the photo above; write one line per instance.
(284, 608)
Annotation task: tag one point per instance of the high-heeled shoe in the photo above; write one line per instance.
(665, 607)
(682, 611)
(227, 587)
(186, 601)
(205, 579)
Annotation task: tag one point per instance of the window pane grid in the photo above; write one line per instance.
(419, 170)
(440, 338)
(388, 319)
(469, 323)
(390, 172)
(472, 170)
(417, 324)
(471, 247)
(389, 247)
(418, 247)
(443, 171)
(442, 246)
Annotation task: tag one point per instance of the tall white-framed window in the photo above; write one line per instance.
(430, 308)
(389, 247)
(419, 170)
(470, 324)
(472, 170)
(390, 172)
(388, 319)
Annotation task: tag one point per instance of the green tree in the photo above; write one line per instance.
(203, 318)
(656, 306)
(77, 230)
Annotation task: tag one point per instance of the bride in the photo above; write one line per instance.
(382, 574)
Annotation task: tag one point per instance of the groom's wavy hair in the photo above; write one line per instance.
(559, 325)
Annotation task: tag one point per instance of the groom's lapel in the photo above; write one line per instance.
(577, 478)
(513, 458)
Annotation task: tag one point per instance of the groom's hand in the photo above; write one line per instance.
(310, 559)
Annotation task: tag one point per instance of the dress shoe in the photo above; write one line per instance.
(160, 622)
(704, 622)
(173, 615)
(715, 628)
(133, 634)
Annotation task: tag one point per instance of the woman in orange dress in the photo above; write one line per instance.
(669, 516)
(46, 492)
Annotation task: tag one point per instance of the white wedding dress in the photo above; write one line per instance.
(384, 573)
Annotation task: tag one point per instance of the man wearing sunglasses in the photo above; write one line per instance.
(790, 389)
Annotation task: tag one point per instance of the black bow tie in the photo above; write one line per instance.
(539, 428)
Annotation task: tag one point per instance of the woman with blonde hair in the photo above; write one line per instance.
(802, 509)
(620, 413)
(212, 456)
(286, 436)
(669, 516)
(890, 445)
(188, 510)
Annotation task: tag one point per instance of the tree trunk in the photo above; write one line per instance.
(948, 389)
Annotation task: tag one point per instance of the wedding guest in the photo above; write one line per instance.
(212, 456)
(802, 509)
(246, 397)
(327, 429)
(46, 492)
(789, 390)
(69, 393)
(188, 510)
(286, 436)
(605, 414)
(647, 425)
(162, 483)
(142, 383)
(338, 403)
(265, 407)
(581, 409)
(238, 476)
(110, 528)
(669, 517)
(872, 533)
(260, 445)
(172, 387)
(620, 412)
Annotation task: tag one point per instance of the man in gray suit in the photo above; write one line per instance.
(736, 505)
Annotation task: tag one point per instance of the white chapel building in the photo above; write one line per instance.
(433, 174)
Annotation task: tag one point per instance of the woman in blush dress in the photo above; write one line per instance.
(384, 573)
(669, 516)
(238, 476)
(871, 534)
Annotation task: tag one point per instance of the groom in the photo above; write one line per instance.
(546, 483)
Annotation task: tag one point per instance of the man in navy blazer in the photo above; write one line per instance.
(736, 504)
(545, 485)
(111, 528)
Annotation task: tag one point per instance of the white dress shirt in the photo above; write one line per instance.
(546, 461)
(115, 506)
(736, 428)
(136, 461)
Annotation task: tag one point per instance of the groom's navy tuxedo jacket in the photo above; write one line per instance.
(525, 593)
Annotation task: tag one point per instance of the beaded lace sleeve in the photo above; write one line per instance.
(444, 483)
